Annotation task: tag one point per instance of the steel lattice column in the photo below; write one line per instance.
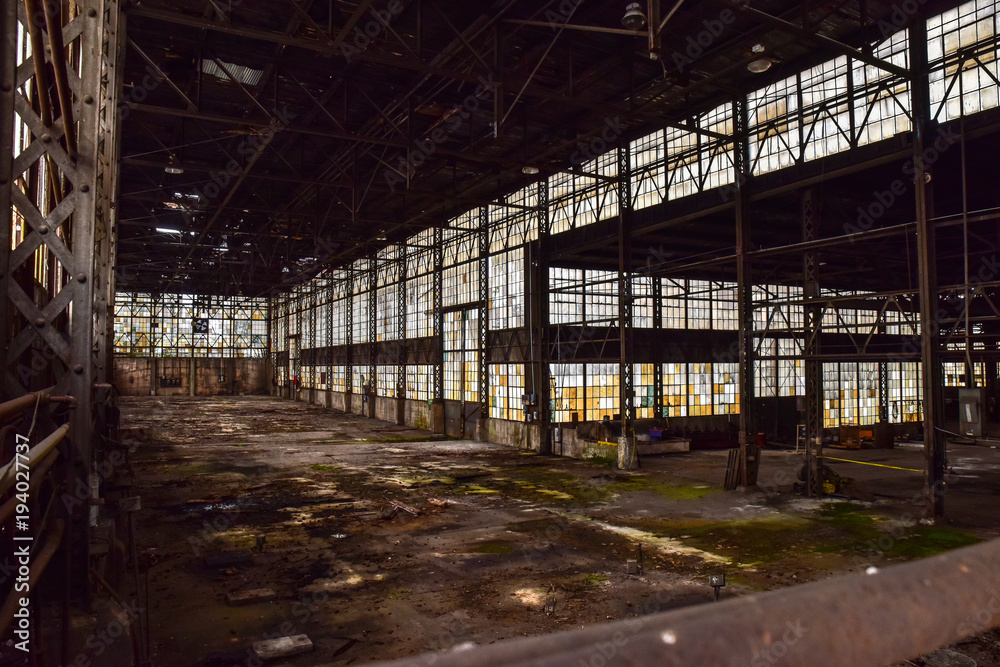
(537, 308)
(62, 339)
(349, 339)
(438, 316)
(744, 285)
(401, 325)
(372, 389)
(626, 446)
(483, 234)
(934, 446)
(813, 314)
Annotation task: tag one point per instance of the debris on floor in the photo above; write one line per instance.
(282, 647)
(251, 596)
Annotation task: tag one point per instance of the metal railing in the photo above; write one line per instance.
(864, 620)
(38, 463)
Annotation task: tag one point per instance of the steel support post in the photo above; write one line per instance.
(483, 234)
(438, 316)
(401, 325)
(934, 445)
(813, 368)
(627, 458)
(537, 305)
(744, 286)
(349, 340)
(657, 287)
(63, 339)
(372, 389)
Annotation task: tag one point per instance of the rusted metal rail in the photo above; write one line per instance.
(37, 453)
(863, 620)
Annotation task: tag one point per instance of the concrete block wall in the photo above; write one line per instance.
(139, 376)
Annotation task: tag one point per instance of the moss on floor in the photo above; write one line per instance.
(492, 547)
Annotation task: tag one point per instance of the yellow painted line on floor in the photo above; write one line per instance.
(866, 463)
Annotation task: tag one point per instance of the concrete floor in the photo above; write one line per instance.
(506, 543)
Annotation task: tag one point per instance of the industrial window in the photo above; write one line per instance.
(506, 290)
(850, 392)
(832, 400)
(359, 305)
(962, 53)
(576, 200)
(674, 312)
(601, 384)
(601, 304)
(387, 312)
(338, 378)
(683, 168)
(675, 390)
(716, 159)
(386, 381)
(699, 307)
(791, 377)
(881, 99)
(648, 170)
(642, 301)
(184, 325)
(725, 314)
(566, 388)
(420, 306)
(360, 379)
(826, 109)
(774, 126)
(644, 385)
(420, 382)
(514, 219)
(867, 393)
(904, 392)
(506, 389)
(765, 374)
(954, 374)
(461, 355)
(699, 389)
(565, 296)
(460, 284)
(726, 389)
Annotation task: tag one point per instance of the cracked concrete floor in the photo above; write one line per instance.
(505, 543)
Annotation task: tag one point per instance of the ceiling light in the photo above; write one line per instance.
(760, 64)
(173, 165)
(164, 230)
(634, 18)
(529, 170)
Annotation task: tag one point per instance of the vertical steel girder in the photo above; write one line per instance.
(483, 234)
(55, 324)
(349, 332)
(744, 285)
(934, 446)
(372, 387)
(438, 315)
(401, 325)
(537, 303)
(813, 314)
(626, 447)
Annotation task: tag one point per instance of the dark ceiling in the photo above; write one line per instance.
(311, 132)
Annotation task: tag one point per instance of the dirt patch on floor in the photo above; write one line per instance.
(383, 544)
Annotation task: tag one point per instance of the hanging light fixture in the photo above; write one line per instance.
(634, 18)
(173, 165)
(761, 63)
